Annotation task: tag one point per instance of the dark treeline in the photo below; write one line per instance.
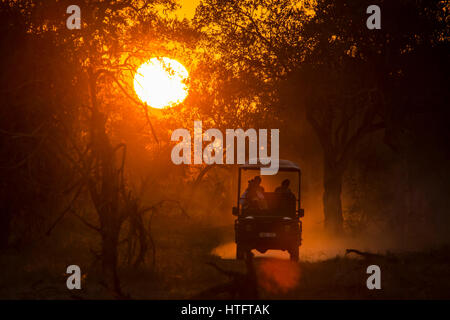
(364, 112)
(348, 83)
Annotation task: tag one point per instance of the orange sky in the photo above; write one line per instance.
(187, 8)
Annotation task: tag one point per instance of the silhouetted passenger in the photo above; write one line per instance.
(284, 188)
(287, 194)
(244, 201)
(258, 187)
(253, 196)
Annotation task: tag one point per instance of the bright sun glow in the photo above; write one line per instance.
(161, 82)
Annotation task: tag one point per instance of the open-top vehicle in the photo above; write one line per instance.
(277, 225)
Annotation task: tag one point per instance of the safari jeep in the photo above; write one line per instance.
(278, 226)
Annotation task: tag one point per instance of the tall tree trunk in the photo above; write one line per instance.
(109, 211)
(332, 198)
(109, 260)
(105, 193)
(5, 223)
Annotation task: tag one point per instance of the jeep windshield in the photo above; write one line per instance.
(276, 195)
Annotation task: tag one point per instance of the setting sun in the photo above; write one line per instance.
(161, 82)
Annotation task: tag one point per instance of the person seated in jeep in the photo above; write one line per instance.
(253, 196)
(284, 188)
(288, 205)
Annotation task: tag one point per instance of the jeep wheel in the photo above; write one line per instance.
(294, 253)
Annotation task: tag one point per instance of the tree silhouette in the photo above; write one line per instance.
(103, 53)
(320, 57)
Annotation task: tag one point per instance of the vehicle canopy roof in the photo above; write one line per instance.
(284, 165)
